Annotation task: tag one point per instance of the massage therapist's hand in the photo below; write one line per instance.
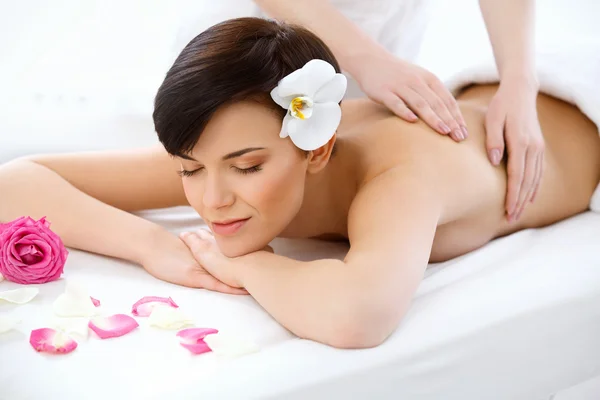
(512, 124)
(402, 87)
(172, 261)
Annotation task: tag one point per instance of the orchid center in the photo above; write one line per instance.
(301, 107)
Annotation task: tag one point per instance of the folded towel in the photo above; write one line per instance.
(569, 70)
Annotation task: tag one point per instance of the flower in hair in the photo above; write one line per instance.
(311, 95)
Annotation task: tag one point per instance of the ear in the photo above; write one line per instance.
(318, 158)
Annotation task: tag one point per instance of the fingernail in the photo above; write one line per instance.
(183, 235)
(465, 132)
(412, 116)
(495, 156)
(458, 134)
(444, 128)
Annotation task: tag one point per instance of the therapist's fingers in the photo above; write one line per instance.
(451, 104)
(398, 107)
(421, 107)
(528, 184)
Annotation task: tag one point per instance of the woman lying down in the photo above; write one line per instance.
(254, 138)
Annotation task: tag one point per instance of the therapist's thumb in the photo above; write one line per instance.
(494, 127)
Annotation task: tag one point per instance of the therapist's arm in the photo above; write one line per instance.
(511, 120)
(406, 89)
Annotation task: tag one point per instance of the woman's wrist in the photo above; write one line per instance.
(152, 238)
(520, 77)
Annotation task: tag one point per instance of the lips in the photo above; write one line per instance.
(228, 227)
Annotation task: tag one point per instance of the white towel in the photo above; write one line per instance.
(569, 70)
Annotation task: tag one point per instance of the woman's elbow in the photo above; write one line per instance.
(366, 329)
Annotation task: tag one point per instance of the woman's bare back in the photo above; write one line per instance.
(473, 190)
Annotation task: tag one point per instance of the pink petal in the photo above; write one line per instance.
(144, 306)
(95, 301)
(113, 326)
(193, 339)
(51, 341)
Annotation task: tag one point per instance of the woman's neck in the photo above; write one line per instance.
(327, 197)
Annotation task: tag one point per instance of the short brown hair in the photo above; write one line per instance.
(235, 60)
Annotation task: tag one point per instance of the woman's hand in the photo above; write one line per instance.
(407, 89)
(172, 261)
(512, 122)
(203, 247)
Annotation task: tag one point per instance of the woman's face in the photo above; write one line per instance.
(245, 181)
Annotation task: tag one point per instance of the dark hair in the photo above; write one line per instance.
(235, 60)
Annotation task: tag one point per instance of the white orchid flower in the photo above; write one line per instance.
(311, 95)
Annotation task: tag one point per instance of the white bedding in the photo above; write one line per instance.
(517, 319)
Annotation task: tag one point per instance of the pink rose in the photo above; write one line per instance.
(30, 252)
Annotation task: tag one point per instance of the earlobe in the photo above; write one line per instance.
(318, 158)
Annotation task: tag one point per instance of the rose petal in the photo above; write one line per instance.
(74, 302)
(19, 296)
(95, 302)
(230, 346)
(77, 326)
(8, 322)
(113, 326)
(1, 277)
(192, 339)
(166, 317)
(51, 341)
(144, 306)
(312, 133)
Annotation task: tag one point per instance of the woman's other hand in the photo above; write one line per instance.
(171, 260)
(410, 91)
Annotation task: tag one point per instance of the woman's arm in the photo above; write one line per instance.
(353, 303)
(511, 120)
(402, 87)
(85, 196)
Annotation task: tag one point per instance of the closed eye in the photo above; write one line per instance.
(186, 174)
(250, 170)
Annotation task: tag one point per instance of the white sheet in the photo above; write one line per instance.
(518, 319)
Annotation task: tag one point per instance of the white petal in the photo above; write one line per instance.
(283, 102)
(307, 80)
(166, 317)
(230, 346)
(77, 326)
(8, 322)
(19, 296)
(74, 302)
(284, 126)
(1, 277)
(332, 91)
(312, 133)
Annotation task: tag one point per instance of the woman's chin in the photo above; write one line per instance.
(237, 248)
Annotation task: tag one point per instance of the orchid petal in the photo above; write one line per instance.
(95, 302)
(74, 302)
(76, 326)
(333, 91)
(8, 322)
(192, 339)
(144, 306)
(312, 133)
(284, 127)
(282, 102)
(166, 317)
(51, 341)
(113, 326)
(230, 346)
(19, 296)
(307, 80)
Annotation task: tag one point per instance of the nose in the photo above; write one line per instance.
(216, 194)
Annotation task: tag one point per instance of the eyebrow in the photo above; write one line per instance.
(229, 156)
